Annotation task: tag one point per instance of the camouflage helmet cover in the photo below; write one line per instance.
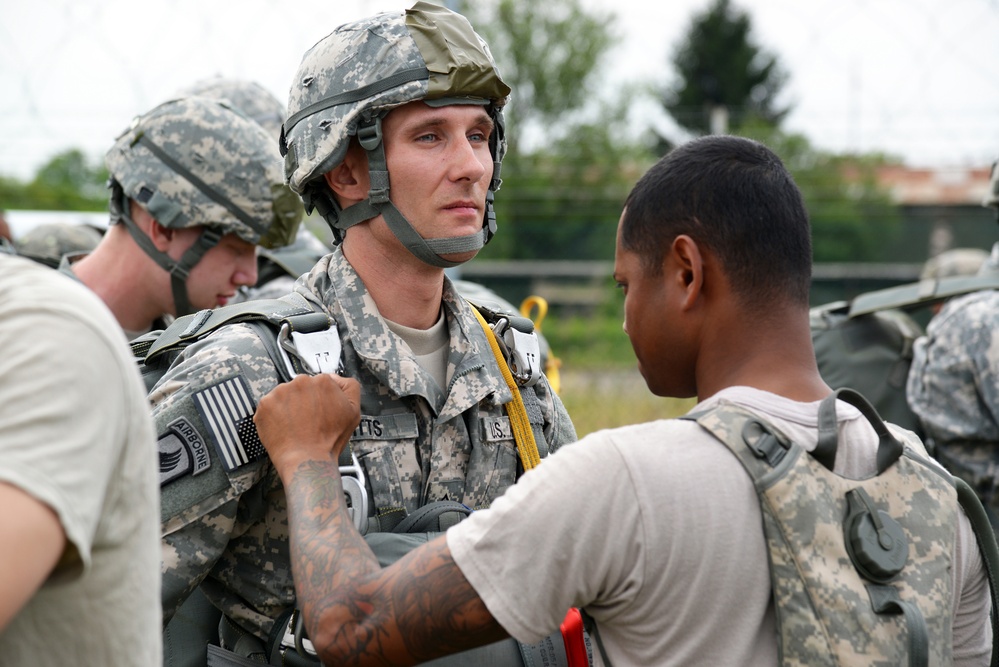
(48, 243)
(368, 67)
(248, 97)
(194, 161)
(954, 262)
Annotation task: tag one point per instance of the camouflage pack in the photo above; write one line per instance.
(860, 569)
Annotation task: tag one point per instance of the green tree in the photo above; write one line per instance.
(719, 66)
(564, 202)
(67, 182)
(548, 53)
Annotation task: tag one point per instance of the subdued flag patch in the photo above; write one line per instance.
(227, 411)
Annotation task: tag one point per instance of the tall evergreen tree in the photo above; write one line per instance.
(721, 69)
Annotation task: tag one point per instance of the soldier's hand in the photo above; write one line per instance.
(313, 416)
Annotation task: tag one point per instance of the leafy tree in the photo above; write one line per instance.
(561, 197)
(564, 202)
(719, 65)
(67, 182)
(548, 53)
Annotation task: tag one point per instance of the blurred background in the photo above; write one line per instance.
(886, 111)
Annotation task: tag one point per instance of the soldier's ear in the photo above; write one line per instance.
(350, 180)
(157, 233)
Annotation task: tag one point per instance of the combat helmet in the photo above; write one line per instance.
(194, 162)
(248, 97)
(353, 77)
(48, 243)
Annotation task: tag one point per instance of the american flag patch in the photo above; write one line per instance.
(227, 411)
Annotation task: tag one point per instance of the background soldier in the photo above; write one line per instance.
(953, 384)
(49, 243)
(195, 186)
(402, 162)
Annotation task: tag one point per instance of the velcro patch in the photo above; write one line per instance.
(386, 427)
(227, 411)
(182, 451)
(495, 429)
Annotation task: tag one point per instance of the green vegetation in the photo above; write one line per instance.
(719, 66)
(607, 399)
(67, 182)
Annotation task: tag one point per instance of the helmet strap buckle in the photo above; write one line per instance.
(369, 134)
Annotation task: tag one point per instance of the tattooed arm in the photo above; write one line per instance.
(356, 613)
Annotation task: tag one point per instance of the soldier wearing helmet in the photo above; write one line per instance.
(49, 243)
(953, 383)
(195, 187)
(395, 136)
(249, 97)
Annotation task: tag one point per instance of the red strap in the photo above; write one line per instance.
(575, 641)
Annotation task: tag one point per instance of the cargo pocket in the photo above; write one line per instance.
(492, 466)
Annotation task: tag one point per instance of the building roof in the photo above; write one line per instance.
(944, 186)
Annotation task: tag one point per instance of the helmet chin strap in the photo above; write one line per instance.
(378, 203)
(179, 269)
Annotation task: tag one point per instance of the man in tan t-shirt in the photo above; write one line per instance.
(79, 530)
(655, 530)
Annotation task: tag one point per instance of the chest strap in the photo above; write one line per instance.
(520, 423)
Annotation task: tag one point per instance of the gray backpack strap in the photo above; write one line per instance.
(986, 538)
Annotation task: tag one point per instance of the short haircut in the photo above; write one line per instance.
(735, 197)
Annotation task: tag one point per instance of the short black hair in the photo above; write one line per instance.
(735, 197)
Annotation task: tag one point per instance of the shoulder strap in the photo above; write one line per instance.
(156, 350)
(986, 539)
(527, 446)
(191, 327)
(922, 293)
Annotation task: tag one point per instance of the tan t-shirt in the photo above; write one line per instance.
(76, 433)
(656, 529)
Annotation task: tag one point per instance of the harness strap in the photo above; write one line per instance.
(885, 600)
(527, 447)
(986, 539)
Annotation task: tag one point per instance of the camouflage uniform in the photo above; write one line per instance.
(953, 383)
(227, 529)
(953, 387)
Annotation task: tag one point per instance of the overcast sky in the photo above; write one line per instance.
(915, 78)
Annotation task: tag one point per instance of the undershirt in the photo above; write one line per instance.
(429, 346)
